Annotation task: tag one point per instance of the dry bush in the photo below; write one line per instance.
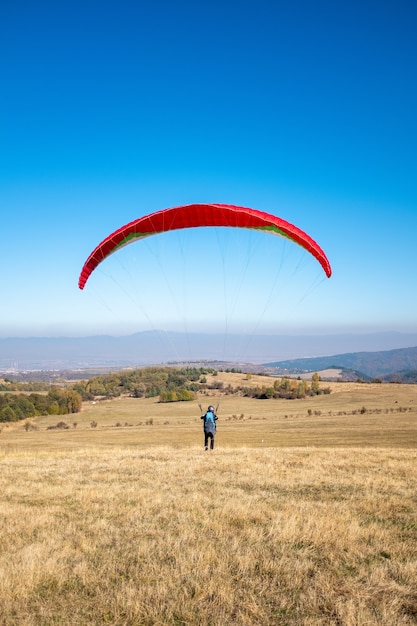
(59, 426)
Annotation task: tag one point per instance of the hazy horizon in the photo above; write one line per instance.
(152, 347)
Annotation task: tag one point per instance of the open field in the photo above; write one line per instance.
(305, 513)
(352, 414)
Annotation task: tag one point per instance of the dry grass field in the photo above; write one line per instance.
(304, 514)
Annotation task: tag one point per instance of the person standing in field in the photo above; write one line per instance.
(210, 419)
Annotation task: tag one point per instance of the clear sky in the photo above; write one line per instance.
(111, 110)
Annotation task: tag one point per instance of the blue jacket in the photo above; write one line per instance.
(210, 419)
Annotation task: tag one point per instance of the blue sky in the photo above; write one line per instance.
(112, 110)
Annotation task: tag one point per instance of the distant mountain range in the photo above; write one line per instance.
(370, 355)
(389, 365)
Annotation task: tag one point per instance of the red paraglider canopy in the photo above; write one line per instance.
(196, 216)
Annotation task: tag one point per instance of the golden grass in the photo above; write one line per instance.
(137, 525)
(327, 420)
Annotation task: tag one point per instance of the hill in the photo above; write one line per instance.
(390, 365)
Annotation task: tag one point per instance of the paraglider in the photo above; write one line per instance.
(196, 216)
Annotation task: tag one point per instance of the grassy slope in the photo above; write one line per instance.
(295, 519)
(326, 420)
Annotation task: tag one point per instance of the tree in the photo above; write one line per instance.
(7, 414)
(302, 389)
(315, 383)
(168, 396)
(73, 401)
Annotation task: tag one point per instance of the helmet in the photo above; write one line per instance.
(211, 408)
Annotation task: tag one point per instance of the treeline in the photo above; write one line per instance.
(8, 384)
(18, 406)
(287, 388)
(181, 384)
(171, 385)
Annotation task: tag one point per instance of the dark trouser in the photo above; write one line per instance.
(208, 436)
